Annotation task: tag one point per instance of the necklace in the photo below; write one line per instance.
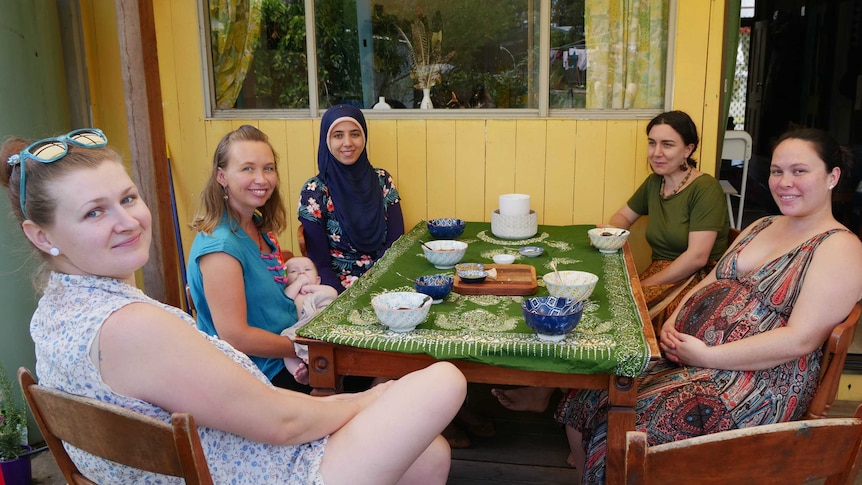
(678, 187)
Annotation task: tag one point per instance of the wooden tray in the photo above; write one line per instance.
(512, 279)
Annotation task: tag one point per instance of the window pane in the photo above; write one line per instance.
(608, 54)
(258, 54)
(469, 53)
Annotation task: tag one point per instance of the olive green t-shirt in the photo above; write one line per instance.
(701, 206)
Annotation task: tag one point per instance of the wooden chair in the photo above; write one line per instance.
(782, 453)
(300, 236)
(832, 364)
(114, 433)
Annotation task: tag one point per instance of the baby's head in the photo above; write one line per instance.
(300, 265)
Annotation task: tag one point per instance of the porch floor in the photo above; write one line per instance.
(528, 449)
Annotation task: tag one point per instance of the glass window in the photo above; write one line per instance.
(608, 54)
(456, 54)
(467, 53)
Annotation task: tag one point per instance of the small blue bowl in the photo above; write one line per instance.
(447, 228)
(436, 286)
(552, 317)
(531, 251)
(473, 275)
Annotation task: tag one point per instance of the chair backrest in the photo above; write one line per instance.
(115, 433)
(300, 236)
(780, 453)
(737, 145)
(832, 364)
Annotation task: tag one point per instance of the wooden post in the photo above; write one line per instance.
(140, 66)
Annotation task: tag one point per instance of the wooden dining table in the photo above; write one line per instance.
(486, 337)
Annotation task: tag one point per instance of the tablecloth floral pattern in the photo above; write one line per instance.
(491, 329)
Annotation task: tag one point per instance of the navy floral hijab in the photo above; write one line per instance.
(355, 189)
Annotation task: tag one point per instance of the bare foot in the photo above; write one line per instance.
(301, 374)
(533, 399)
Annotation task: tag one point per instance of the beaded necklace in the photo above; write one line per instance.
(678, 187)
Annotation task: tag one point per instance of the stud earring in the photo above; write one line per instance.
(54, 252)
(831, 186)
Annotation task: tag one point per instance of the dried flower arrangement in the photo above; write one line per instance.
(426, 57)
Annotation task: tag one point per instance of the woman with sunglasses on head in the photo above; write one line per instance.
(350, 211)
(98, 336)
(235, 272)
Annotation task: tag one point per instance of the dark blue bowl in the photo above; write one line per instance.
(446, 228)
(552, 317)
(436, 286)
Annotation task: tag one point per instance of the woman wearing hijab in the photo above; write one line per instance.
(350, 211)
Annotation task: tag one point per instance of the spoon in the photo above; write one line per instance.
(405, 277)
(554, 267)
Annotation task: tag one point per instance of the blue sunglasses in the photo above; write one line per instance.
(50, 150)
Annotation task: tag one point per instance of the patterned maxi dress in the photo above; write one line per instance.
(678, 402)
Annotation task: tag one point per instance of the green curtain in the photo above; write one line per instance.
(627, 52)
(235, 27)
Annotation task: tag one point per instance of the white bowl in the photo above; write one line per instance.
(576, 285)
(608, 239)
(401, 311)
(504, 258)
(444, 253)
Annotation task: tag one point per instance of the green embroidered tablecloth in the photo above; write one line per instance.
(491, 329)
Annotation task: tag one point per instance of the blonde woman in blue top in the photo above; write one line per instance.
(235, 273)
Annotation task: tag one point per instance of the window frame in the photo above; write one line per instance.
(543, 94)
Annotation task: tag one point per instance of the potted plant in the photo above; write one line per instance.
(14, 452)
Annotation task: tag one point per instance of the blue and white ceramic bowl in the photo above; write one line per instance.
(552, 317)
(531, 251)
(436, 286)
(444, 253)
(446, 228)
(575, 285)
(473, 275)
(401, 311)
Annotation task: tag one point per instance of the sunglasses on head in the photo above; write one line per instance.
(52, 149)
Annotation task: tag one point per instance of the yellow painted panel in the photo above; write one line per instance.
(470, 171)
(850, 388)
(301, 163)
(621, 175)
(412, 181)
(559, 174)
(530, 163)
(711, 126)
(641, 161)
(383, 145)
(441, 169)
(590, 151)
(500, 162)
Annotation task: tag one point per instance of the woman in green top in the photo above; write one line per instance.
(688, 222)
(687, 229)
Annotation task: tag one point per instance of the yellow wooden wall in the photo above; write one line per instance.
(576, 171)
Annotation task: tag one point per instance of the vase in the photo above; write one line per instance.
(17, 471)
(426, 99)
(381, 104)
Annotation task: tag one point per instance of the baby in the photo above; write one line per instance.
(304, 288)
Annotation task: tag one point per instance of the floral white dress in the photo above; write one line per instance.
(68, 319)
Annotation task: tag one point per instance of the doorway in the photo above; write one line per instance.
(804, 69)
